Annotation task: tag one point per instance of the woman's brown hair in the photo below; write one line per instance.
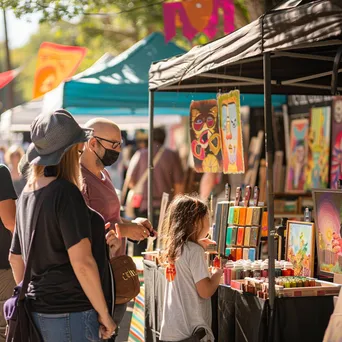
(182, 224)
(68, 168)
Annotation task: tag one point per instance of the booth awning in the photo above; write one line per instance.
(120, 87)
(293, 32)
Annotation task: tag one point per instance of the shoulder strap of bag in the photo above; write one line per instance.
(27, 272)
(143, 178)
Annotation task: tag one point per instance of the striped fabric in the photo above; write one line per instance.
(137, 330)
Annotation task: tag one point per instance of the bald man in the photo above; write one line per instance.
(99, 152)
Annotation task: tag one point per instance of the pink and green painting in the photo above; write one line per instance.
(328, 211)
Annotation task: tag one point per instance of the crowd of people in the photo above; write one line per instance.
(59, 199)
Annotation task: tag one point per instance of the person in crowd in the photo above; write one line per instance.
(101, 151)
(2, 154)
(187, 308)
(69, 292)
(7, 219)
(168, 177)
(12, 158)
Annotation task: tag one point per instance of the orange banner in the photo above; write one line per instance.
(55, 64)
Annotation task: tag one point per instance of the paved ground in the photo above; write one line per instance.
(125, 324)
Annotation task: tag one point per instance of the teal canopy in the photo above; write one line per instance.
(119, 87)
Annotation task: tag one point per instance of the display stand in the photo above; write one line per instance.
(302, 52)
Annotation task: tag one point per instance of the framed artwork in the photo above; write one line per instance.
(231, 132)
(300, 247)
(254, 153)
(328, 218)
(295, 179)
(205, 136)
(317, 169)
(336, 143)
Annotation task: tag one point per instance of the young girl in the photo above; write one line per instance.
(187, 307)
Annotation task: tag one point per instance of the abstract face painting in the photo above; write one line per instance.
(205, 138)
(336, 146)
(299, 149)
(231, 132)
(317, 170)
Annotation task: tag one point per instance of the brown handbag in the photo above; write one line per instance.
(127, 285)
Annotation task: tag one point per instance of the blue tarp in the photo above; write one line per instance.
(120, 87)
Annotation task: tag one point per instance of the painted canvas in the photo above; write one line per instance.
(328, 218)
(295, 179)
(231, 132)
(317, 169)
(205, 136)
(254, 153)
(300, 249)
(336, 143)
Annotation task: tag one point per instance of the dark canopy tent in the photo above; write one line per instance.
(293, 49)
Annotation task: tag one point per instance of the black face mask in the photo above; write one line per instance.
(109, 157)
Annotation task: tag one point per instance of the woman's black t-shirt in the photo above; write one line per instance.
(64, 220)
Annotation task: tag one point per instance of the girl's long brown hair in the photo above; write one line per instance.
(68, 168)
(181, 224)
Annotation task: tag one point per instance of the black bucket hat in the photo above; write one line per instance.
(52, 135)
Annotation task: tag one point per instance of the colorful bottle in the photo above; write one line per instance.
(228, 272)
(288, 270)
(238, 270)
(247, 270)
(264, 269)
(256, 270)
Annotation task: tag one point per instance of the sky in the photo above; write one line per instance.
(19, 30)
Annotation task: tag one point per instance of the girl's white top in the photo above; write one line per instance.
(184, 310)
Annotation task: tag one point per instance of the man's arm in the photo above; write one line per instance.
(7, 213)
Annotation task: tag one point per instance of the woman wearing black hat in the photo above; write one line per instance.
(69, 290)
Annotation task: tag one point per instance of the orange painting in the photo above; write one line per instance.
(55, 64)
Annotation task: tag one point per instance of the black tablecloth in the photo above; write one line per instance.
(243, 317)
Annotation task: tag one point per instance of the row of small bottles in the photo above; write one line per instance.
(258, 269)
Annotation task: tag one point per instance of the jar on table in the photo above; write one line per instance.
(228, 272)
(288, 270)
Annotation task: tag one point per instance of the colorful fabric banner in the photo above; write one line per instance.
(196, 16)
(231, 132)
(205, 136)
(8, 76)
(137, 329)
(55, 64)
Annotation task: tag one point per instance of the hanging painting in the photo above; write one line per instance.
(300, 247)
(231, 132)
(195, 16)
(205, 136)
(298, 156)
(328, 218)
(317, 170)
(336, 144)
(254, 154)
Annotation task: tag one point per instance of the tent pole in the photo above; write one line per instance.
(269, 163)
(150, 157)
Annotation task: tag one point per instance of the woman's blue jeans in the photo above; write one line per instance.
(68, 327)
